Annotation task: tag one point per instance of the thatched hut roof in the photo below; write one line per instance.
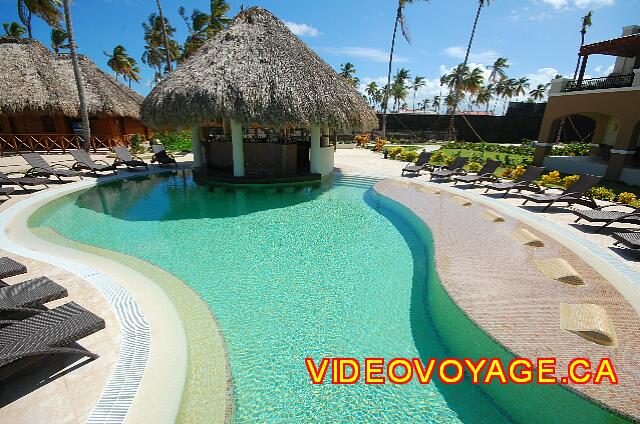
(256, 71)
(34, 80)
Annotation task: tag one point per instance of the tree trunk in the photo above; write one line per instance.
(582, 34)
(385, 99)
(29, 25)
(456, 98)
(86, 144)
(164, 37)
(414, 102)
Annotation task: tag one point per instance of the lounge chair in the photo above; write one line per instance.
(84, 161)
(10, 268)
(484, 174)
(39, 166)
(631, 239)
(6, 191)
(448, 171)
(161, 156)
(50, 332)
(421, 163)
(124, 157)
(29, 296)
(523, 182)
(607, 217)
(575, 194)
(22, 182)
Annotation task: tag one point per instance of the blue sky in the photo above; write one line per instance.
(539, 37)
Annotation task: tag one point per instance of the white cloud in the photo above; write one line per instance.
(366, 53)
(485, 56)
(302, 30)
(580, 4)
(602, 71)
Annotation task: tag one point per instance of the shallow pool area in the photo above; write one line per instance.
(305, 272)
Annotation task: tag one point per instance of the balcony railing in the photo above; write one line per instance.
(17, 143)
(614, 81)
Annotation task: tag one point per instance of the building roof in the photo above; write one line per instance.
(256, 71)
(35, 80)
(627, 46)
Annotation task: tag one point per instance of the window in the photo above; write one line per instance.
(48, 124)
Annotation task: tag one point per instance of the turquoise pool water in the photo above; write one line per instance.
(319, 272)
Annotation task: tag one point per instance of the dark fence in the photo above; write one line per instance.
(614, 81)
(522, 121)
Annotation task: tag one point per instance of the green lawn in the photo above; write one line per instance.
(485, 155)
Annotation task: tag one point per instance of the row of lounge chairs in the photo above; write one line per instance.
(29, 331)
(576, 194)
(41, 170)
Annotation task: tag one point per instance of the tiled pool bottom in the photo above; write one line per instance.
(315, 272)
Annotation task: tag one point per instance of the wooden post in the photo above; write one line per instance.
(583, 68)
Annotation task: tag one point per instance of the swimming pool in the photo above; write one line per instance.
(306, 272)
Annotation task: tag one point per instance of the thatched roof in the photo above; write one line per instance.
(34, 80)
(256, 71)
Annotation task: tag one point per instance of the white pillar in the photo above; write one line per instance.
(238, 148)
(315, 149)
(196, 146)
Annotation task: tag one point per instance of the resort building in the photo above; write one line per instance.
(39, 106)
(262, 105)
(611, 102)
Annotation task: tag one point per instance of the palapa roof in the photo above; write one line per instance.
(35, 80)
(256, 71)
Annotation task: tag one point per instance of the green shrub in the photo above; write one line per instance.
(602, 193)
(474, 166)
(136, 142)
(569, 180)
(409, 155)
(448, 160)
(175, 141)
(395, 151)
(438, 157)
(574, 149)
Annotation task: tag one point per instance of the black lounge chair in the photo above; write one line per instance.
(39, 166)
(6, 191)
(630, 239)
(607, 217)
(22, 182)
(575, 194)
(161, 156)
(523, 182)
(484, 174)
(124, 157)
(51, 332)
(448, 171)
(29, 296)
(10, 268)
(84, 161)
(421, 163)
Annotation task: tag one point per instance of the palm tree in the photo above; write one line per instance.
(498, 69)
(131, 71)
(435, 103)
(13, 29)
(86, 143)
(155, 54)
(47, 10)
(218, 19)
(399, 89)
(118, 60)
(485, 95)
(400, 19)
(586, 23)
(348, 71)
(539, 92)
(58, 39)
(481, 4)
(520, 86)
(372, 90)
(418, 82)
(424, 105)
(165, 38)
(198, 25)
